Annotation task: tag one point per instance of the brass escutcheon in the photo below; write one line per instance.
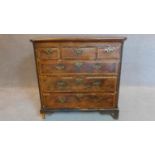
(60, 66)
(79, 80)
(61, 99)
(61, 84)
(79, 64)
(78, 51)
(48, 51)
(109, 49)
(97, 66)
(79, 96)
(96, 83)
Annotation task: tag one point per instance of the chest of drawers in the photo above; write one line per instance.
(79, 73)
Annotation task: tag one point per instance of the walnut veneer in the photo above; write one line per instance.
(79, 73)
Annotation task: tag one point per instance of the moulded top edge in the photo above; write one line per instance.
(80, 38)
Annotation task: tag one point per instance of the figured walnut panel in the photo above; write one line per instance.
(78, 84)
(79, 100)
(87, 53)
(56, 67)
(109, 51)
(48, 53)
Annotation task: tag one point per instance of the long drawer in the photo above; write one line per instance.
(79, 100)
(78, 83)
(68, 67)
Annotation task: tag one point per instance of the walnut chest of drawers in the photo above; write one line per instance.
(79, 73)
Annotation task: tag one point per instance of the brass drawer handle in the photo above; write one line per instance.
(79, 64)
(96, 83)
(79, 80)
(97, 66)
(79, 96)
(78, 51)
(49, 51)
(61, 84)
(60, 66)
(62, 99)
(109, 49)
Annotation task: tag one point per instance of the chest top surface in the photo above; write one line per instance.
(79, 38)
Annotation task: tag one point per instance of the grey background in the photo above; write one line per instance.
(18, 78)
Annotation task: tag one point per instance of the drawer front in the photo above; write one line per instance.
(78, 53)
(78, 67)
(79, 100)
(109, 50)
(48, 53)
(78, 84)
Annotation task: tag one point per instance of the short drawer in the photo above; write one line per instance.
(78, 84)
(55, 67)
(79, 100)
(109, 50)
(47, 53)
(79, 53)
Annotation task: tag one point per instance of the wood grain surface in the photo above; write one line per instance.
(78, 72)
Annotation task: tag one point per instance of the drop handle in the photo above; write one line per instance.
(79, 64)
(49, 51)
(109, 49)
(61, 84)
(60, 66)
(78, 51)
(96, 83)
(79, 80)
(97, 66)
(79, 97)
(93, 84)
(61, 99)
